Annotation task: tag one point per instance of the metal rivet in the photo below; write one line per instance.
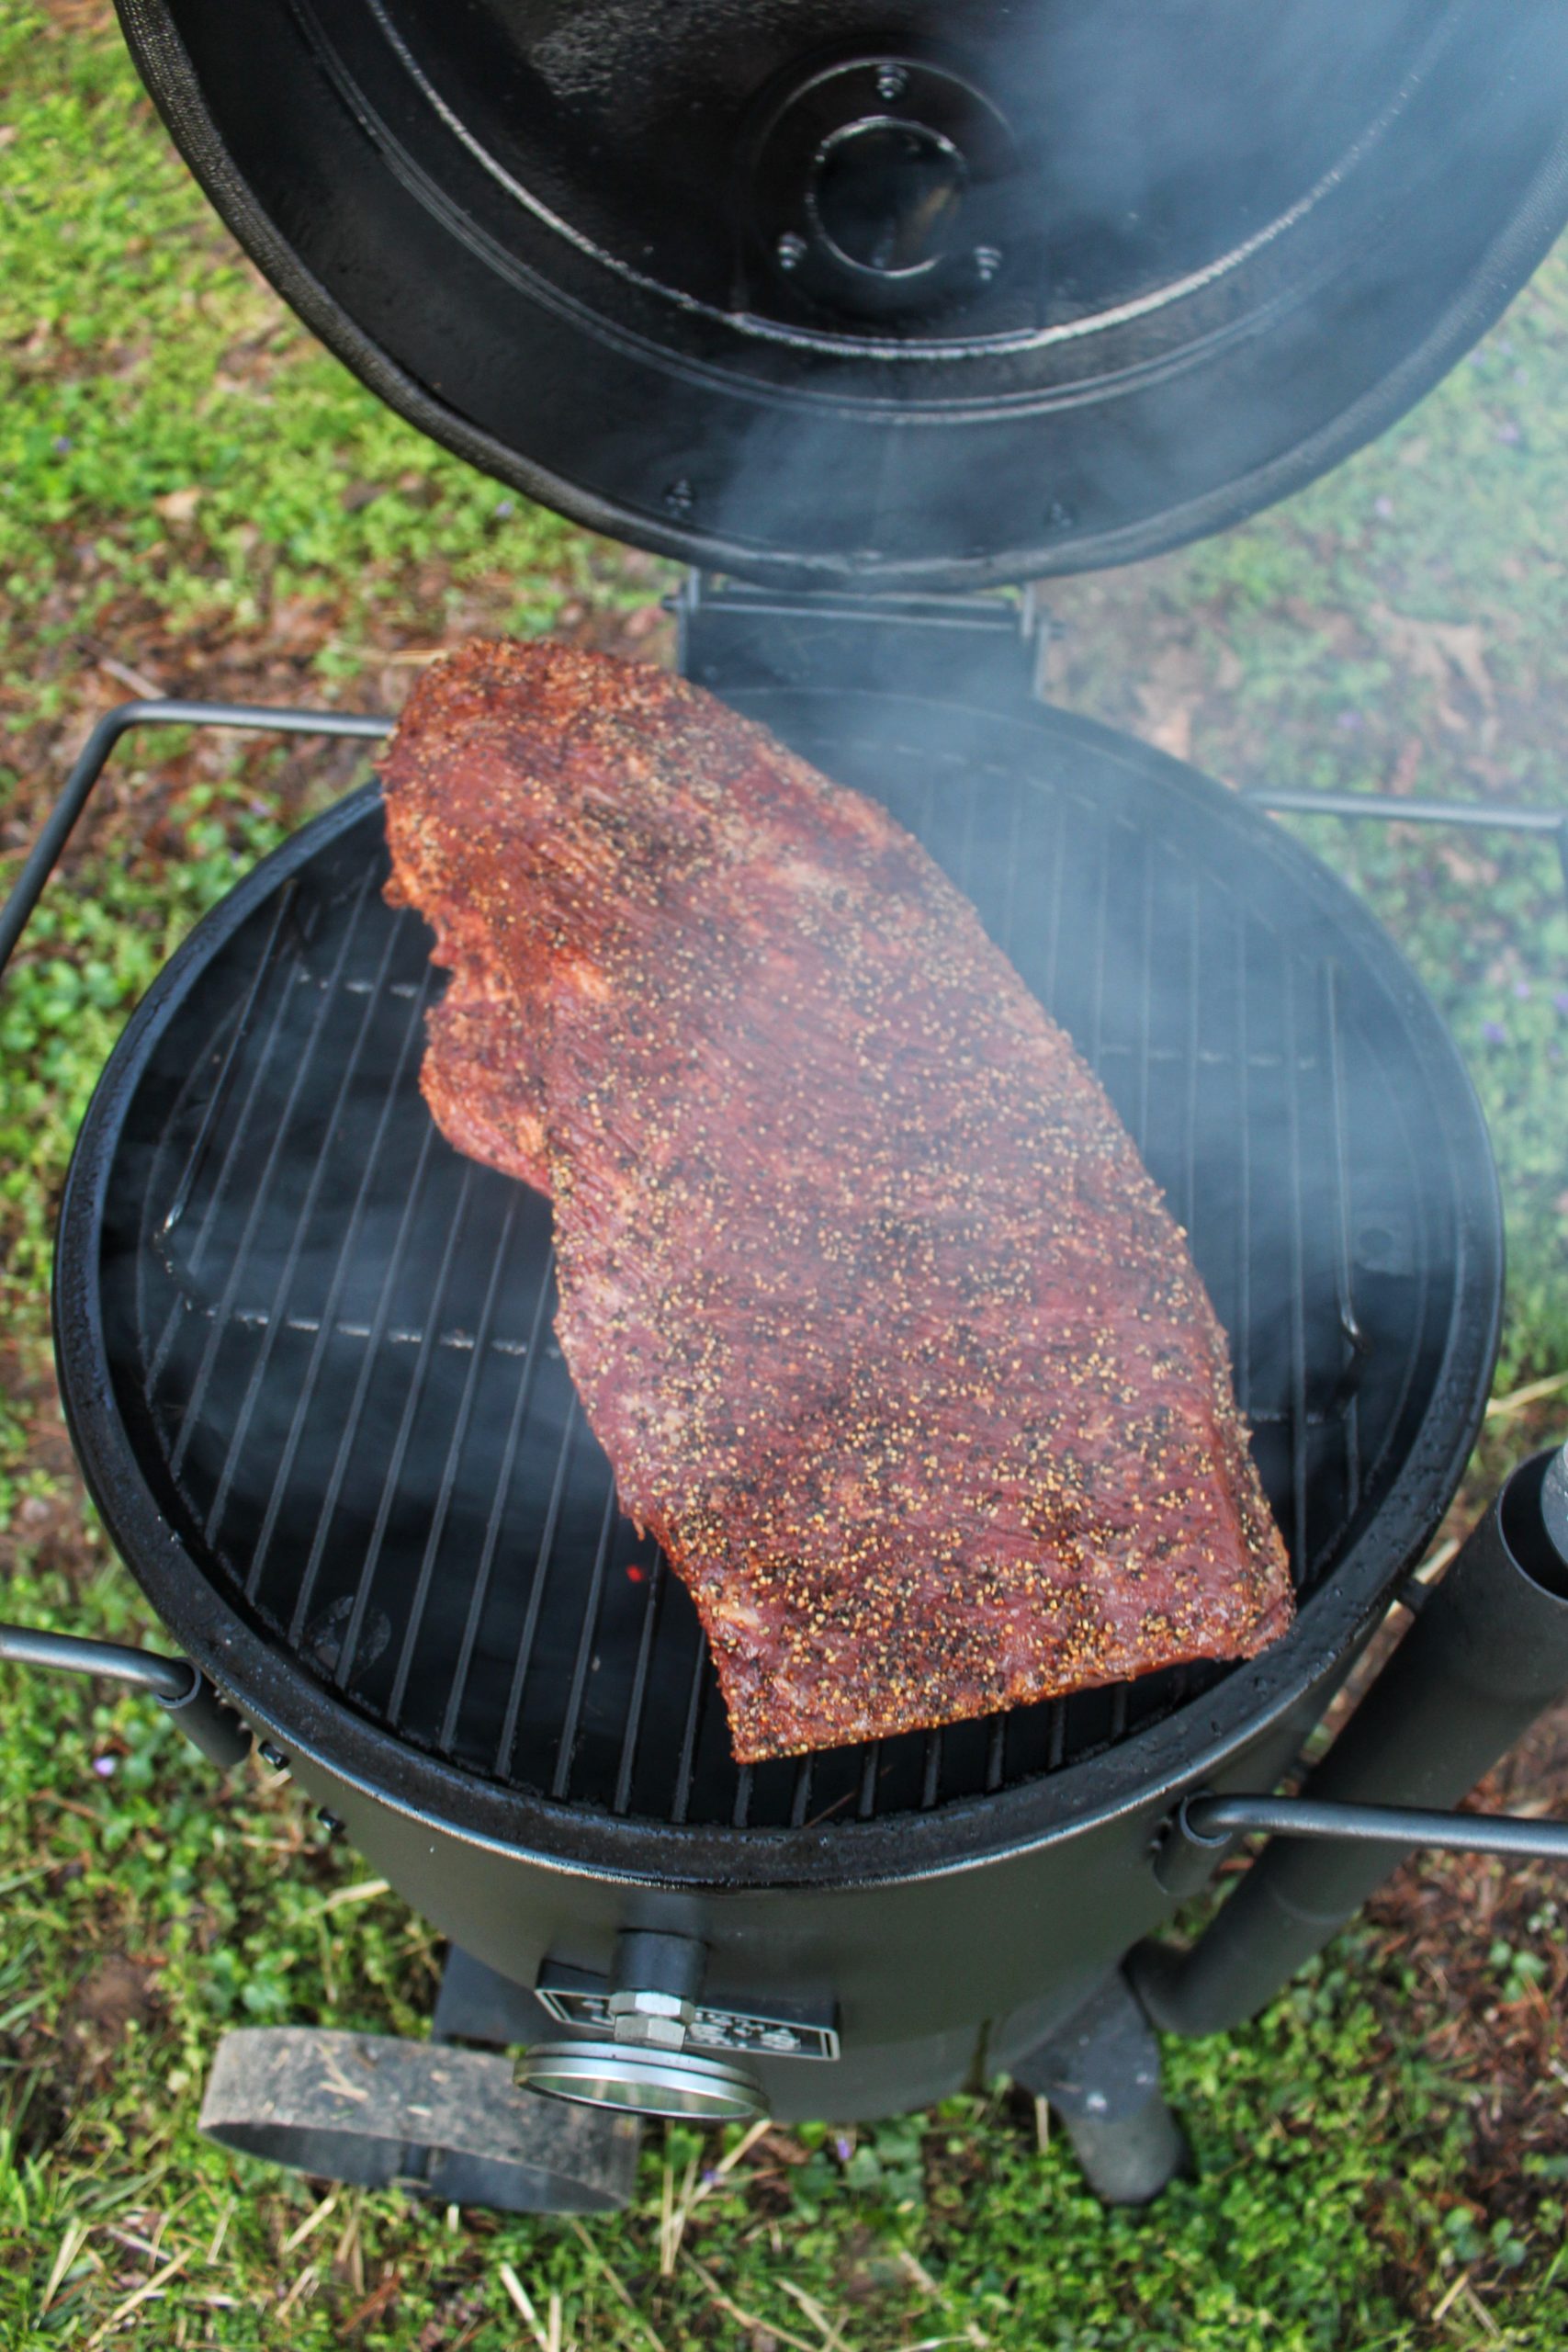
(1060, 516)
(270, 1753)
(891, 81)
(790, 250)
(680, 498)
(988, 261)
(330, 1822)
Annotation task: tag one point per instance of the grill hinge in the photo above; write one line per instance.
(980, 649)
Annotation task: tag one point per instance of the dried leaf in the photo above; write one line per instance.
(178, 506)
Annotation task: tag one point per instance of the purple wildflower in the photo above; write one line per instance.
(103, 1767)
(1523, 990)
(1350, 722)
(843, 2146)
(1384, 508)
(1494, 1032)
(1509, 432)
(1561, 1002)
(63, 444)
(710, 2176)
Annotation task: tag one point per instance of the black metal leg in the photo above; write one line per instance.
(1100, 2072)
(477, 2003)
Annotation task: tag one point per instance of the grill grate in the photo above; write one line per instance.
(339, 1333)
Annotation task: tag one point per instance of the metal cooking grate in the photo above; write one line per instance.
(335, 1334)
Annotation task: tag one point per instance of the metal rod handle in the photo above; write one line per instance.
(60, 823)
(1487, 1651)
(1212, 1820)
(180, 1687)
(1478, 816)
(170, 1678)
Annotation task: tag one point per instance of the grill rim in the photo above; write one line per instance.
(963, 1833)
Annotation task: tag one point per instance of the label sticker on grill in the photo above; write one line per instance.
(710, 2030)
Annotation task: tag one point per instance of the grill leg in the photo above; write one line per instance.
(1100, 2073)
(477, 2003)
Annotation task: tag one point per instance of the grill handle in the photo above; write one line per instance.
(1206, 1821)
(1488, 1650)
(61, 822)
(181, 1688)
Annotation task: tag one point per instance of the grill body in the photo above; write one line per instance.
(306, 1354)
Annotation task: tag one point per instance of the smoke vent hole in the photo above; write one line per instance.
(888, 196)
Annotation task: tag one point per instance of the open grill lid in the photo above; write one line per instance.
(898, 295)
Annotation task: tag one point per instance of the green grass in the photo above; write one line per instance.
(187, 485)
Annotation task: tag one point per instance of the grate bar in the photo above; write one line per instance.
(345, 1258)
(306, 1327)
(1190, 1100)
(1339, 1162)
(229, 1069)
(536, 1592)
(392, 1477)
(681, 1804)
(230, 1161)
(800, 1795)
(1053, 900)
(291, 1259)
(333, 1489)
(865, 1795)
(488, 1549)
(1146, 1000)
(566, 1749)
(1242, 1336)
(1010, 879)
(637, 1700)
(191, 1418)
(1099, 943)
(1298, 1412)
(455, 1443)
(931, 1778)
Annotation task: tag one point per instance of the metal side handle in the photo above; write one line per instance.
(203, 1715)
(1206, 1821)
(1486, 1651)
(181, 1688)
(60, 823)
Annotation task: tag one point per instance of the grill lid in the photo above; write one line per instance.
(904, 295)
(307, 1351)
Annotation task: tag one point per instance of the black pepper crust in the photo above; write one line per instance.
(885, 1328)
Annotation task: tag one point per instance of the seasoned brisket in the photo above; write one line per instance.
(882, 1323)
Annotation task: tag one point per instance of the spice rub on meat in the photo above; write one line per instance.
(884, 1327)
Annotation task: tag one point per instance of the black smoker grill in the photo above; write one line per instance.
(854, 318)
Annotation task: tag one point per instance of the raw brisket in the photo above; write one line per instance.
(882, 1325)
